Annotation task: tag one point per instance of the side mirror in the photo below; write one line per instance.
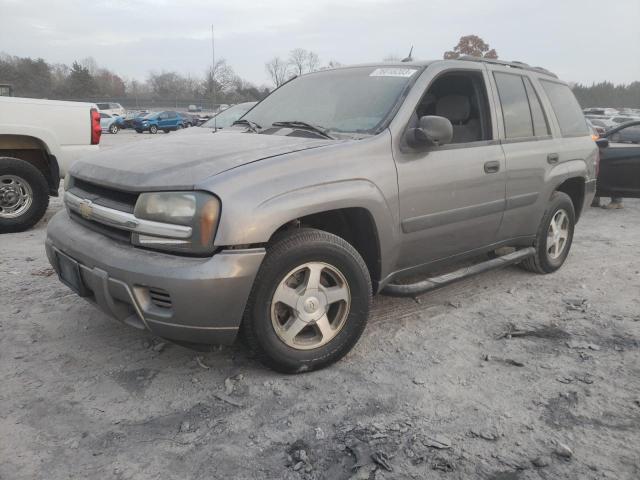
(602, 142)
(433, 131)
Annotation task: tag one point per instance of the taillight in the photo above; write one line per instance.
(96, 130)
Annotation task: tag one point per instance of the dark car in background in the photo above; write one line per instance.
(128, 120)
(620, 162)
(165, 121)
(189, 120)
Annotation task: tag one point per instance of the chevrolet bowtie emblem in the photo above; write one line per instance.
(85, 209)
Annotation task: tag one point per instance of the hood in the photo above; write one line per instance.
(182, 161)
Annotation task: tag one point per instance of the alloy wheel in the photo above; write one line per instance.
(310, 306)
(557, 234)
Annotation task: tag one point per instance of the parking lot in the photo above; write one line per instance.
(508, 375)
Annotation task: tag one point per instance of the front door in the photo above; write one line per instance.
(620, 164)
(452, 197)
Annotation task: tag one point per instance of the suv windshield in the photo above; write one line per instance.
(348, 100)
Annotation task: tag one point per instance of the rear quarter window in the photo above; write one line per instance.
(566, 108)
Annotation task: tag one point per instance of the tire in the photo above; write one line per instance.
(113, 129)
(166, 130)
(178, 127)
(153, 129)
(338, 262)
(544, 261)
(18, 177)
(139, 131)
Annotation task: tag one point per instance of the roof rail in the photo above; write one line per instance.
(513, 64)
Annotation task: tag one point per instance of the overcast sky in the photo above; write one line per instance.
(580, 40)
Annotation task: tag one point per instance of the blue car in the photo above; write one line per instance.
(165, 121)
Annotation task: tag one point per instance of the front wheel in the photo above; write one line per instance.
(554, 237)
(309, 303)
(113, 129)
(24, 195)
(153, 129)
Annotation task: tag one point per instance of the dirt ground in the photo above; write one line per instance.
(436, 388)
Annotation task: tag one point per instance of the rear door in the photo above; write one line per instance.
(529, 149)
(620, 163)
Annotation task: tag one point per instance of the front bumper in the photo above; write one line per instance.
(201, 300)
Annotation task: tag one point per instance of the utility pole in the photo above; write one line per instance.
(213, 70)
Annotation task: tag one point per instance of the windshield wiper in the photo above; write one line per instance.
(304, 126)
(253, 126)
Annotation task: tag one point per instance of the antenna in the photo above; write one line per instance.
(409, 58)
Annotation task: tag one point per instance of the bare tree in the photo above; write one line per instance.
(303, 61)
(278, 70)
(298, 60)
(90, 64)
(313, 61)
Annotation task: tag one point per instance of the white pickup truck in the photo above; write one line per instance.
(39, 140)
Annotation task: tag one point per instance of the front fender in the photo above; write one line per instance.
(267, 217)
(260, 197)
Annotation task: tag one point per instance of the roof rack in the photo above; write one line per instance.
(513, 64)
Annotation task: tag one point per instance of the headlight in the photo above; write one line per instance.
(198, 210)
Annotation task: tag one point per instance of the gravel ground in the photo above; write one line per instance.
(509, 375)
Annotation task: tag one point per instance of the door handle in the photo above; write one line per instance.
(553, 158)
(492, 167)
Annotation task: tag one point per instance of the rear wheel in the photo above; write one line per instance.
(24, 195)
(554, 237)
(309, 303)
(153, 129)
(113, 129)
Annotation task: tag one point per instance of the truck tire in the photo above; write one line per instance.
(153, 129)
(309, 303)
(24, 195)
(554, 237)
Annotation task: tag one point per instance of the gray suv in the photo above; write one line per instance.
(337, 186)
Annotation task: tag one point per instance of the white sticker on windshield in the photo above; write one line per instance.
(392, 72)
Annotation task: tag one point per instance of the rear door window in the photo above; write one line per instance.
(566, 108)
(515, 105)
